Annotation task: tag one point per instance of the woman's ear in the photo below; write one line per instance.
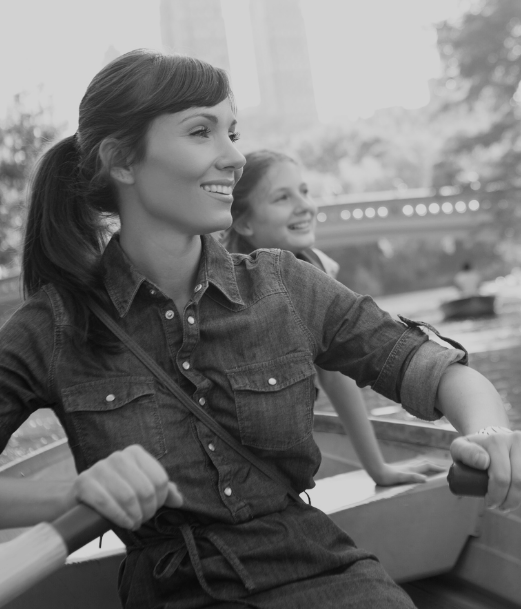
(115, 161)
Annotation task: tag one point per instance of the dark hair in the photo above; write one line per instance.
(258, 164)
(72, 195)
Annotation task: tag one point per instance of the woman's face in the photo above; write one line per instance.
(281, 212)
(191, 165)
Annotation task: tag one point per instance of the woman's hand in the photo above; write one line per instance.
(127, 487)
(500, 453)
(408, 473)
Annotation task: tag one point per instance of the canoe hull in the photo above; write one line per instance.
(469, 308)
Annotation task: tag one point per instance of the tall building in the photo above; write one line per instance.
(196, 28)
(283, 66)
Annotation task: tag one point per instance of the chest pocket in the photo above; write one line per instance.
(274, 401)
(111, 414)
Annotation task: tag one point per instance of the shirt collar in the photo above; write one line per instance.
(122, 280)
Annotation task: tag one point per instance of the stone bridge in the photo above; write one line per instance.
(426, 213)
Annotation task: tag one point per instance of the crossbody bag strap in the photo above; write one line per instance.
(194, 408)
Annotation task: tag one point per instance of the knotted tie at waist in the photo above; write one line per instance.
(184, 541)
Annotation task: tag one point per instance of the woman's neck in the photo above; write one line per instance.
(169, 261)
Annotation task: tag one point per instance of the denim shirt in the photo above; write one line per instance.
(244, 348)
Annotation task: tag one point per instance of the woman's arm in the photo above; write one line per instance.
(127, 487)
(348, 402)
(471, 404)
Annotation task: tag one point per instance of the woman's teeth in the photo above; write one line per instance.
(299, 225)
(224, 190)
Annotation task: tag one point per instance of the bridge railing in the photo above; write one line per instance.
(368, 217)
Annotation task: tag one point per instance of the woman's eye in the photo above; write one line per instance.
(282, 197)
(234, 136)
(202, 132)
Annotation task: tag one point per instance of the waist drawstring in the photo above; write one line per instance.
(170, 562)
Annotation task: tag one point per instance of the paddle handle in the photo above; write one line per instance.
(43, 549)
(467, 481)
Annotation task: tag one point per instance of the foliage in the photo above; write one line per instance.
(24, 133)
(481, 54)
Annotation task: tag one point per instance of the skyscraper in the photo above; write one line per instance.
(281, 49)
(196, 28)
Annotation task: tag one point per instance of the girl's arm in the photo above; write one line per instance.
(471, 404)
(348, 402)
(127, 488)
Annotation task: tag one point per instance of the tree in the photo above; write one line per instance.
(481, 54)
(24, 134)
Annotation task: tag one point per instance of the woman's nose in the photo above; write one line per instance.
(305, 204)
(231, 158)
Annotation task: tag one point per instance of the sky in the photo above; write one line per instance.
(364, 54)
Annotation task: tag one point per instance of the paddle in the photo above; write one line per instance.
(468, 481)
(35, 554)
(43, 549)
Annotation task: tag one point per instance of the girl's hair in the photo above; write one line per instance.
(72, 196)
(258, 164)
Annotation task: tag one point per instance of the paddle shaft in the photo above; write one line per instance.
(43, 549)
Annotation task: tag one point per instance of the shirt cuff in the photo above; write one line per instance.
(421, 379)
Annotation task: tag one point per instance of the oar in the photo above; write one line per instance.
(35, 554)
(468, 481)
(43, 549)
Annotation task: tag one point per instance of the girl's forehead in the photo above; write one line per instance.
(284, 173)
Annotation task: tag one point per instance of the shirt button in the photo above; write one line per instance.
(272, 381)
(228, 491)
(202, 401)
(152, 292)
(212, 448)
(191, 320)
(110, 398)
(169, 314)
(186, 365)
(197, 287)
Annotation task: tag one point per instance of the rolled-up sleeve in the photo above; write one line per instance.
(353, 335)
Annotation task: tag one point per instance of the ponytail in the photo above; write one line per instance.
(64, 236)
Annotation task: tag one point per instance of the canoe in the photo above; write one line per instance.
(418, 531)
(468, 308)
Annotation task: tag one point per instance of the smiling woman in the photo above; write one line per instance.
(199, 461)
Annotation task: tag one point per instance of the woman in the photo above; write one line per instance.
(239, 335)
(272, 208)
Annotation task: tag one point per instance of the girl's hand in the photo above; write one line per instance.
(127, 487)
(408, 473)
(500, 453)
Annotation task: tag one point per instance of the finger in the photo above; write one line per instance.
(513, 499)
(470, 453)
(174, 498)
(407, 477)
(151, 467)
(499, 469)
(92, 491)
(426, 467)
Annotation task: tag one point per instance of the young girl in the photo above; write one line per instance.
(272, 208)
(239, 335)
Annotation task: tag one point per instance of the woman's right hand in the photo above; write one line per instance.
(127, 488)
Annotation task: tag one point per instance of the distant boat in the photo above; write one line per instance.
(418, 530)
(469, 307)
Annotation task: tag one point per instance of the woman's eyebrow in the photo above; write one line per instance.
(211, 117)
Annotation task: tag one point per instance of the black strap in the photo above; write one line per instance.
(192, 406)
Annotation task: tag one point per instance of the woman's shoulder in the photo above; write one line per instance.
(40, 312)
(321, 260)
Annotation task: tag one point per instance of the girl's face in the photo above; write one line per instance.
(191, 165)
(281, 212)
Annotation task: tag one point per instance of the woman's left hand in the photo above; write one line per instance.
(407, 473)
(500, 453)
